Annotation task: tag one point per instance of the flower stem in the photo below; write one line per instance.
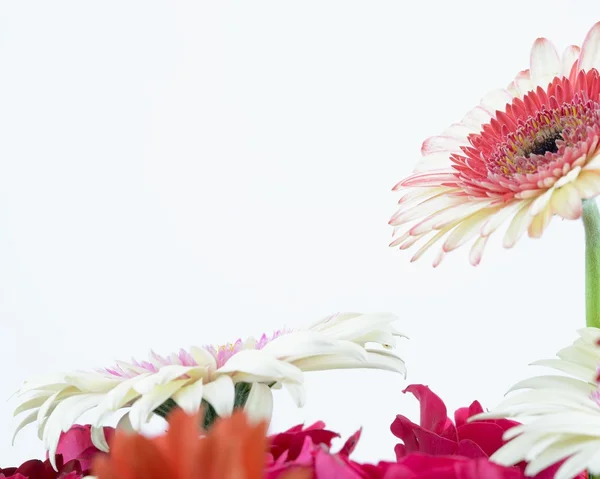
(591, 224)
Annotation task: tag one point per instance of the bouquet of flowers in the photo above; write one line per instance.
(525, 154)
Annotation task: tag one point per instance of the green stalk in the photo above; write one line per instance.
(591, 224)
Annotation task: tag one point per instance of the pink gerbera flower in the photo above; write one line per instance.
(526, 153)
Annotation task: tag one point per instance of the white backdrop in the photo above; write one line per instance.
(177, 173)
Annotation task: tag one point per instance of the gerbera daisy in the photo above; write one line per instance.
(562, 413)
(234, 375)
(526, 153)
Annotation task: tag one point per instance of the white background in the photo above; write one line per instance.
(177, 173)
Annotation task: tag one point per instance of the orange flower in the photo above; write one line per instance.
(232, 449)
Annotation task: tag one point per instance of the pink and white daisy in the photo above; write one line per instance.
(210, 374)
(526, 153)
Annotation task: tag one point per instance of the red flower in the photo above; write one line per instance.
(424, 466)
(308, 449)
(76, 443)
(437, 435)
(36, 469)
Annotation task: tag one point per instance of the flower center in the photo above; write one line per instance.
(537, 142)
(545, 144)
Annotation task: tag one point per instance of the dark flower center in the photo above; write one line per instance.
(544, 145)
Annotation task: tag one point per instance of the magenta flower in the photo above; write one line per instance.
(437, 435)
(77, 444)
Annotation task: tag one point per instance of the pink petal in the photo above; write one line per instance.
(590, 50)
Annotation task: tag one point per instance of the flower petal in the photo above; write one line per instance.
(189, 398)
(142, 409)
(590, 50)
(220, 394)
(259, 405)
(544, 62)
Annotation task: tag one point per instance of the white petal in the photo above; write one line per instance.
(164, 375)
(573, 369)
(302, 344)
(189, 398)
(31, 417)
(63, 417)
(544, 62)
(99, 439)
(143, 407)
(220, 394)
(297, 392)
(203, 357)
(259, 405)
(496, 100)
(92, 382)
(569, 57)
(517, 226)
(590, 50)
(261, 365)
(32, 403)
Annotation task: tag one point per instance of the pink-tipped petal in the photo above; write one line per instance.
(496, 100)
(424, 209)
(476, 252)
(590, 50)
(544, 62)
(569, 57)
(439, 144)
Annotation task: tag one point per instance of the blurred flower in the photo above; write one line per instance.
(288, 444)
(77, 444)
(437, 435)
(562, 413)
(308, 449)
(232, 449)
(425, 466)
(526, 153)
(211, 374)
(36, 469)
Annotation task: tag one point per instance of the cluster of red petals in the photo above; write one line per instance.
(461, 448)
(308, 449)
(74, 456)
(568, 104)
(36, 469)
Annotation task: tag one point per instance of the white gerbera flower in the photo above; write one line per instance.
(562, 413)
(210, 374)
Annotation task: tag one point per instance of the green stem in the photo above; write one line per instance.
(591, 224)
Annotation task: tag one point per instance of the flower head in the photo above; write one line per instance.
(77, 444)
(526, 153)
(562, 413)
(308, 449)
(234, 448)
(438, 435)
(36, 469)
(211, 374)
